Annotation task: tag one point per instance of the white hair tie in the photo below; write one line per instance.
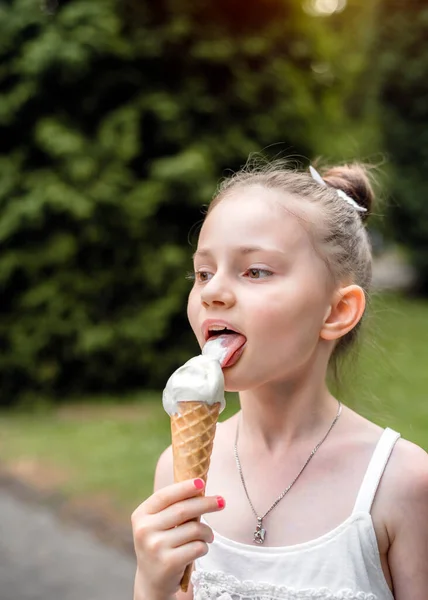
(317, 177)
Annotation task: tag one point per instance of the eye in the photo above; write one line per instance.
(201, 276)
(259, 273)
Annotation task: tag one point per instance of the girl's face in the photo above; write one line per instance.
(256, 269)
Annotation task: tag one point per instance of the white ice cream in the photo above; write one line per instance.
(200, 379)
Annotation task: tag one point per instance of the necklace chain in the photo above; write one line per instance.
(259, 534)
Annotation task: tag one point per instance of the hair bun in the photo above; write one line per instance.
(354, 181)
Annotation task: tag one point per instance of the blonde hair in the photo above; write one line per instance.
(340, 236)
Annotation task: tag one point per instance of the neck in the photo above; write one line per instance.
(276, 417)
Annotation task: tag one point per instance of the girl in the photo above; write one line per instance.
(316, 501)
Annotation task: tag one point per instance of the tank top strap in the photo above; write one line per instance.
(375, 470)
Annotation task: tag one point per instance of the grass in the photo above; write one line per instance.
(388, 381)
(100, 448)
(110, 447)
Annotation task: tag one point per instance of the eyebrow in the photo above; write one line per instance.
(239, 250)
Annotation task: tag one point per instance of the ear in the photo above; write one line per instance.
(346, 309)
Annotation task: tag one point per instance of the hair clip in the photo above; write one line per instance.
(317, 177)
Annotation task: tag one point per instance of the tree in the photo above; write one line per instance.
(116, 121)
(402, 69)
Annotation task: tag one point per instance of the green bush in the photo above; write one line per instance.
(403, 73)
(116, 120)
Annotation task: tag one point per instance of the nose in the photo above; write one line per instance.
(217, 292)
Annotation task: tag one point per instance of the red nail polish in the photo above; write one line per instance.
(221, 502)
(199, 483)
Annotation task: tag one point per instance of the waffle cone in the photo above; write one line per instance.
(193, 431)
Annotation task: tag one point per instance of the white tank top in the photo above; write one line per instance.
(343, 564)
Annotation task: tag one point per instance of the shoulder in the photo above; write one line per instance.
(412, 461)
(164, 473)
(409, 464)
(406, 484)
(408, 521)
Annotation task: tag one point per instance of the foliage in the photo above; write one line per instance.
(403, 72)
(116, 120)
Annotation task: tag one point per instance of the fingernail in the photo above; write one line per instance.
(199, 483)
(221, 502)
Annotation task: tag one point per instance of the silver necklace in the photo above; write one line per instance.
(260, 532)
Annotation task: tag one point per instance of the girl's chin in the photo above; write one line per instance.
(234, 386)
(236, 379)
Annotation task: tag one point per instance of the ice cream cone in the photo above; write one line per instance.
(193, 431)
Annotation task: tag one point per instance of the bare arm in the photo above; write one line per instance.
(168, 534)
(164, 476)
(408, 554)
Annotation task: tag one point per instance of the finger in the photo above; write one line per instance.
(187, 510)
(171, 494)
(179, 558)
(188, 532)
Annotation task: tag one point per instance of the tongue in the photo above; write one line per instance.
(231, 342)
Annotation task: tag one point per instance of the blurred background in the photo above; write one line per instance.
(117, 120)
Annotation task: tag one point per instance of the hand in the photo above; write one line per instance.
(168, 536)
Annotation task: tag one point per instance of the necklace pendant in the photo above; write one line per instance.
(260, 533)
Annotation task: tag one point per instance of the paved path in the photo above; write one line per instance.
(43, 558)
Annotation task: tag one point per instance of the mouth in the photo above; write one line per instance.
(231, 339)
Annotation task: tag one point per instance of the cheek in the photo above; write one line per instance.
(192, 313)
(290, 320)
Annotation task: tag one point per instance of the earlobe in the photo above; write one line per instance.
(345, 312)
